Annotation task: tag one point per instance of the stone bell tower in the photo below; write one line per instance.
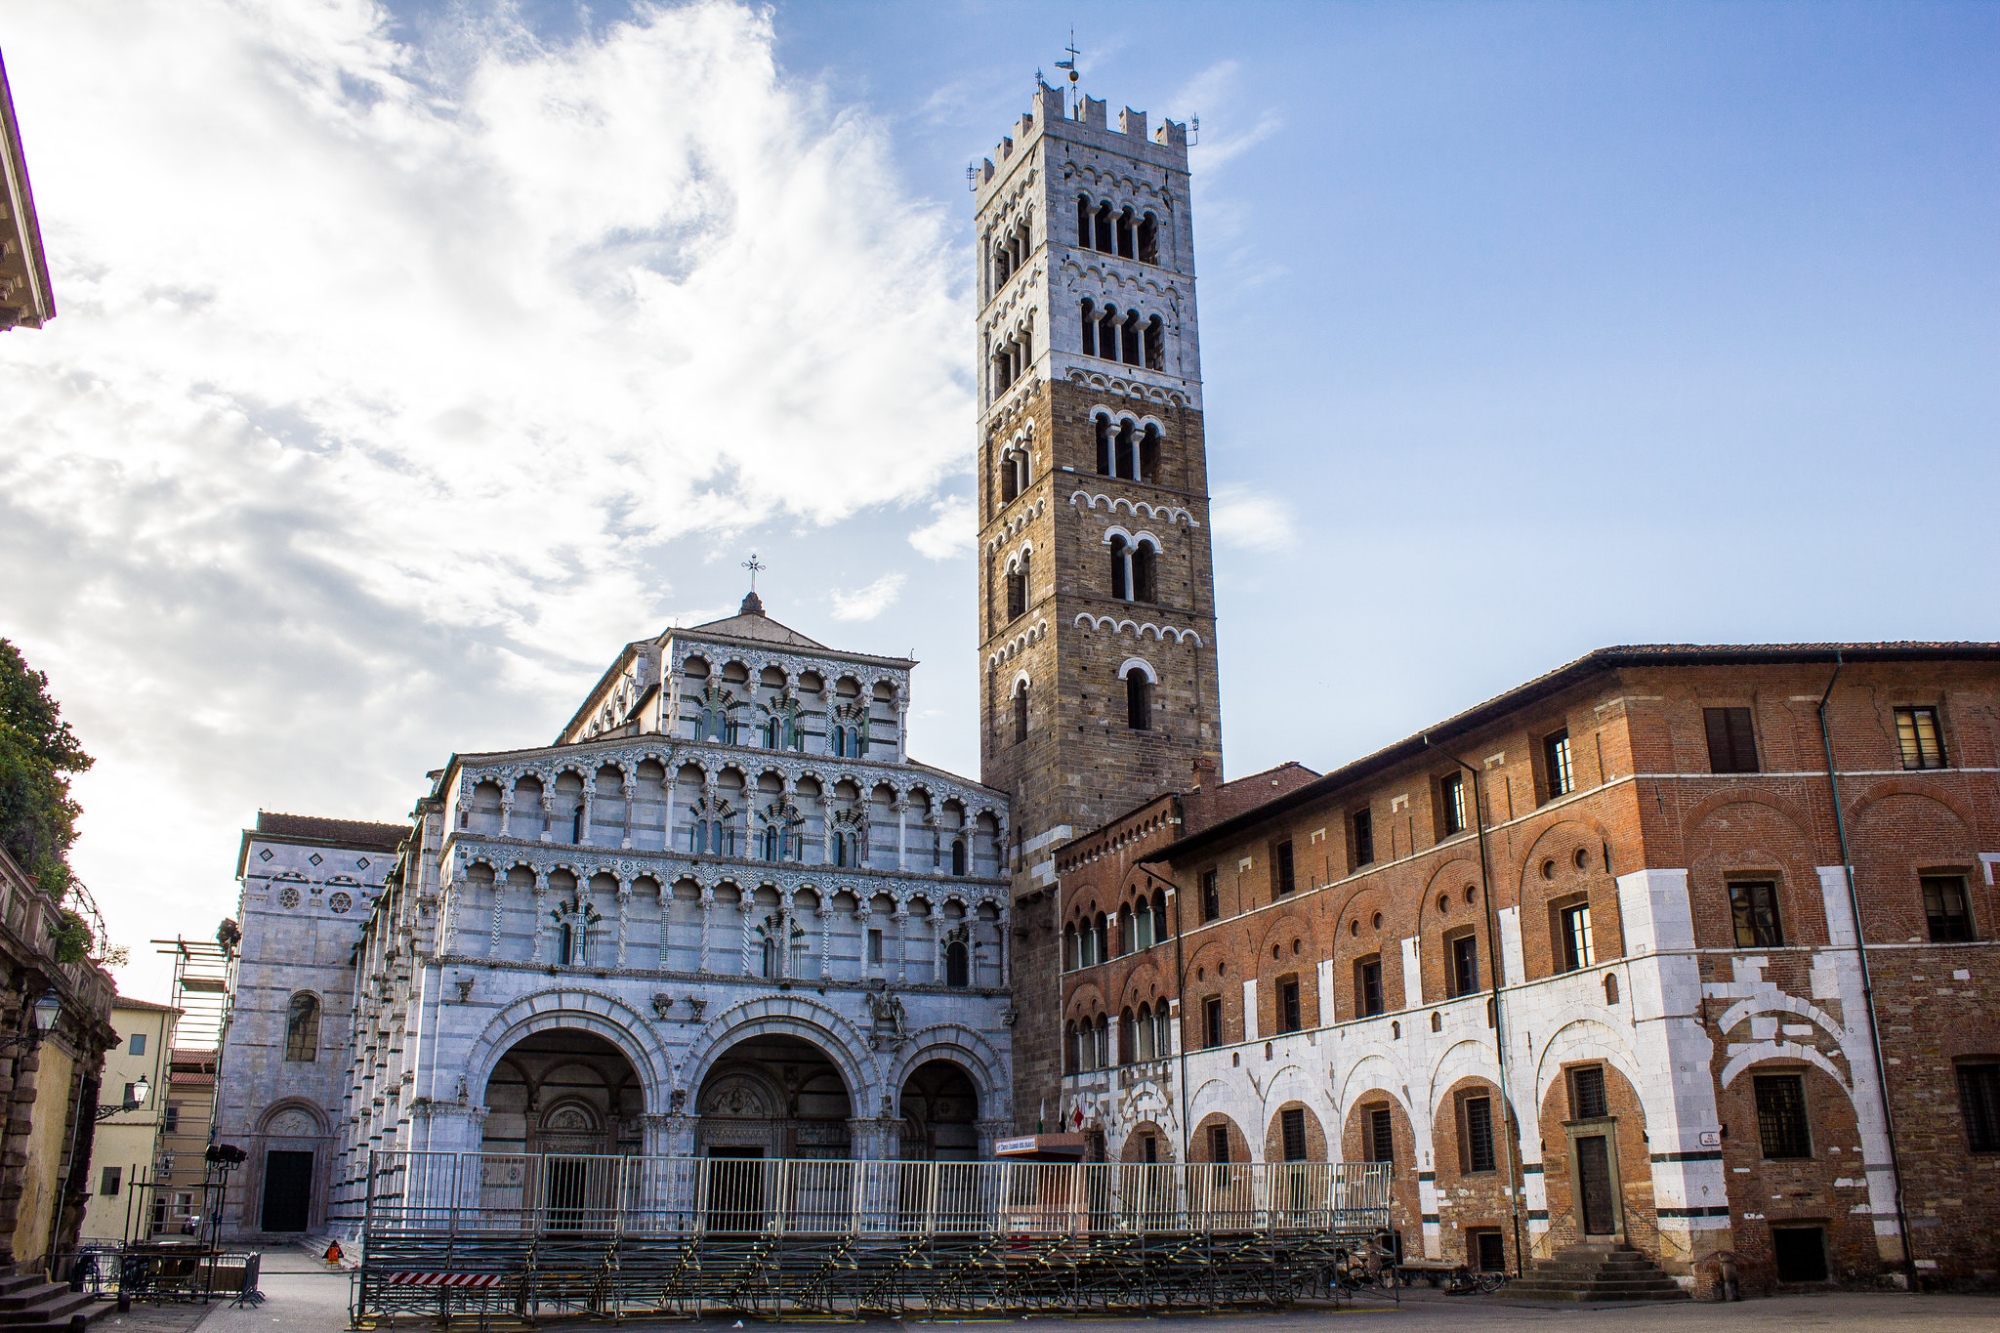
(1096, 588)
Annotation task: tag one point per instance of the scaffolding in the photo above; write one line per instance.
(522, 1235)
(203, 972)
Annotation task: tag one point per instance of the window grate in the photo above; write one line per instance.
(1381, 1135)
(1478, 1134)
(1781, 1116)
(1218, 1143)
(1586, 1093)
(1294, 1124)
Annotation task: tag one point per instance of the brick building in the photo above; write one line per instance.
(1648, 840)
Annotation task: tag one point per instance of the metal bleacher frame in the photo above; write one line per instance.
(521, 1237)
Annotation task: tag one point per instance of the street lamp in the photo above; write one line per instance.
(42, 1018)
(132, 1102)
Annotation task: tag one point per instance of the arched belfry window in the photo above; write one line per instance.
(1017, 587)
(1020, 711)
(1127, 247)
(1103, 220)
(1128, 338)
(302, 1028)
(1089, 328)
(1149, 239)
(1103, 425)
(957, 964)
(1155, 344)
(1083, 229)
(1149, 454)
(1138, 695)
(958, 856)
(1145, 572)
(1121, 569)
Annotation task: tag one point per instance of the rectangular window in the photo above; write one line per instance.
(1918, 737)
(1211, 897)
(173, 1121)
(1979, 1103)
(138, 1043)
(1576, 944)
(1218, 1143)
(1555, 757)
(1368, 986)
(1211, 1021)
(1781, 1116)
(1152, 1147)
(1586, 1093)
(1753, 905)
(1477, 1113)
(1946, 909)
(1451, 802)
(1282, 879)
(1294, 1125)
(1288, 1005)
(1381, 1135)
(875, 947)
(1463, 956)
(1732, 743)
(112, 1178)
(1363, 825)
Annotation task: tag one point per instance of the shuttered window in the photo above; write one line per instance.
(1732, 743)
(1918, 737)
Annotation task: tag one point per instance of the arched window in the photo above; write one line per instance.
(1017, 587)
(566, 945)
(1089, 328)
(1138, 700)
(1127, 1038)
(1155, 344)
(1009, 481)
(1611, 988)
(843, 849)
(1083, 221)
(1003, 264)
(771, 843)
(697, 837)
(1163, 1031)
(957, 964)
(1104, 459)
(1145, 572)
(1069, 947)
(770, 957)
(1160, 930)
(1149, 239)
(1149, 455)
(1020, 711)
(1128, 338)
(1103, 1042)
(958, 856)
(1104, 243)
(1121, 569)
(1126, 248)
(1143, 1034)
(302, 1028)
(1107, 333)
(1127, 934)
(1128, 462)
(1102, 929)
(1069, 1049)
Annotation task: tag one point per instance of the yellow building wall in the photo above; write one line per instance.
(44, 1147)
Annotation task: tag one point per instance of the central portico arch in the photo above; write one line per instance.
(581, 1010)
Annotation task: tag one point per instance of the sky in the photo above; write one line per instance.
(413, 358)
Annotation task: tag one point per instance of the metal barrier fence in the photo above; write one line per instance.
(627, 1235)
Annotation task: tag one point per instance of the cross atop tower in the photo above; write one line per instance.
(753, 605)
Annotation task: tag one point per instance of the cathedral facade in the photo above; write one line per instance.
(723, 914)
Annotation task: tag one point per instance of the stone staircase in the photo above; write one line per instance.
(1595, 1273)
(30, 1304)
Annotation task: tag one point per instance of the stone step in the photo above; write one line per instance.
(21, 1297)
(14, 1282)
(57, 1308)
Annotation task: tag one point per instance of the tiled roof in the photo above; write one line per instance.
(345, 832)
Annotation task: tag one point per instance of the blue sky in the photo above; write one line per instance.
(410, 361)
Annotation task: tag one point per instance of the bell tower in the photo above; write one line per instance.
(1096, 589)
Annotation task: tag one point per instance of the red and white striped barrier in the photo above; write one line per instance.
(443, 1279)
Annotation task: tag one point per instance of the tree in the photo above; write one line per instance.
(38, 752)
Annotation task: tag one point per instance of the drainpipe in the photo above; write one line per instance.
(1867, 982)
(1514, 1185)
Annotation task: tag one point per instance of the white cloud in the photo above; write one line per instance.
(376, 393)
(869, 602)
(1228, 132)
(951, 534)
(1250, 520)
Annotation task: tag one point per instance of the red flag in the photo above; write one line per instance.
(1079, 1115)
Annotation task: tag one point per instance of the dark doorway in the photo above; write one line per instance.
(1593, 1186)
(940, 1108)
(1801, 1253)
(1489, 1252)
(288, 1180)
(566, 1192)
(735, 1189)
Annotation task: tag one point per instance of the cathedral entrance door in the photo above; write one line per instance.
(736, 1189)
(287, 1190)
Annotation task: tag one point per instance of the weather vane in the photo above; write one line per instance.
(752, 565)
(1070, 64)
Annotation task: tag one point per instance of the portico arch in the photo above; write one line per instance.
(581, 1010)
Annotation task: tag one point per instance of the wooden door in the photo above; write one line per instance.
(1594, 1203)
